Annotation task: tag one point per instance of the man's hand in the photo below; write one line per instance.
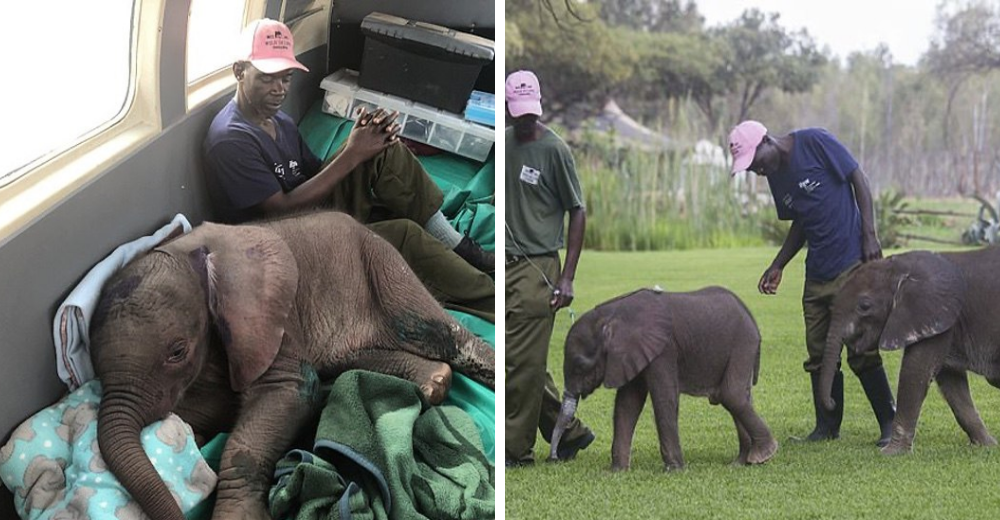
(871, 248)
(770, 280)
(562, 295)
(372, 133)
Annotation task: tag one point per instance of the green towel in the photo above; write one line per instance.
(391, 454)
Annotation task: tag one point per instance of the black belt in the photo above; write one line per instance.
(513, 259)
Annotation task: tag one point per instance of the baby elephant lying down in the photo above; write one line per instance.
(227, 326)
(662, 344)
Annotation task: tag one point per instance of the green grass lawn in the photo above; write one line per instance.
(944, 478)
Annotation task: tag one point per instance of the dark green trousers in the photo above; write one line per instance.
(393, 194)
(817, 307)
(392, 185)
(448, 277)
(532, 399)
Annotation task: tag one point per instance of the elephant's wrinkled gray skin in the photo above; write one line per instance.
(649, 342)
(227, 326)
(941, 308)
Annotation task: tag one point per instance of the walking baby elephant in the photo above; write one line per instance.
(702, 343)
(938, 307)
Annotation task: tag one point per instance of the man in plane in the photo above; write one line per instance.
(258, 165)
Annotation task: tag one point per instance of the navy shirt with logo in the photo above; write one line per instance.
(244, 165)
(815, 190)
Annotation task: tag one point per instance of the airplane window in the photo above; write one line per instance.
(214, 27)
(73, 70)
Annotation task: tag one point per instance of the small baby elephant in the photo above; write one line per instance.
(651, 342)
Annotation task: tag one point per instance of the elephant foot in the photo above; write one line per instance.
(762, 452)
(988, 440)
(897, 448)
(672, 466)
(619, 467)
(435, 389)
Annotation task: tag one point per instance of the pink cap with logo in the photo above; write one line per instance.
(268, 46)
(743, 141)
(523, 94)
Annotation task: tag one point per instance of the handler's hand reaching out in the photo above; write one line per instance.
(770, 280)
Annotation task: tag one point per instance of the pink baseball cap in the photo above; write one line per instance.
(268, 46)
(743, 141)
(523, 94)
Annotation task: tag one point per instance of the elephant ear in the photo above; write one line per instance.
(250, 278)
(630, 348)
(929, 295)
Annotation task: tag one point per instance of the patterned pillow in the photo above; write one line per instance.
(53, 466)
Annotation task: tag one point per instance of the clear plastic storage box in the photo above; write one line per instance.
(421, 123)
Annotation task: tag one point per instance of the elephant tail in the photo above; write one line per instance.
(756, 365)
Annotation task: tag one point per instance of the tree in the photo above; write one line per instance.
(574, 54)
(653, 15)
(968, 42)
(762, 55)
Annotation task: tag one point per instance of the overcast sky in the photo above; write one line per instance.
(844, 25)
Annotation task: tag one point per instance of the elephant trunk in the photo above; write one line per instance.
(831, 358)
(119, 426)
(565, 416)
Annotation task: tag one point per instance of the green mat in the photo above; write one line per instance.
(468, 185)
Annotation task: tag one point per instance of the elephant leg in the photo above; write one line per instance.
(739, 403)
(921, 362)
(413, 321)
(664, 389)
(745, 443)
(433, 377)
(274, 410)
(954, 385)
(629, 401)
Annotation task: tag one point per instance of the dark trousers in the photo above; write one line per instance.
(448, 277)
(817, 307)
(532, 399)
(392, 185)
(393, 194)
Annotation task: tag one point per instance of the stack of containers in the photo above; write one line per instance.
(422, 123)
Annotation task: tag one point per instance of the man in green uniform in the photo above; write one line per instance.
(541, 188)
(257, 165)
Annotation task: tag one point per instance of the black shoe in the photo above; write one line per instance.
(827, 421)
(475, 255)
(568, 449)
(876, 385)
(507, 463)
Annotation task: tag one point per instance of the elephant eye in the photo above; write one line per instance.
(178, 351)
(864, 306)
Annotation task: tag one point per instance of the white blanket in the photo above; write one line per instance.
(70, 328)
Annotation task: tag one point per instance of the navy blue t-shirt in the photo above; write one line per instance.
(245, 166)
(814, 189)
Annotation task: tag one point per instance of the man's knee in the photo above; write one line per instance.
(864, 362)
